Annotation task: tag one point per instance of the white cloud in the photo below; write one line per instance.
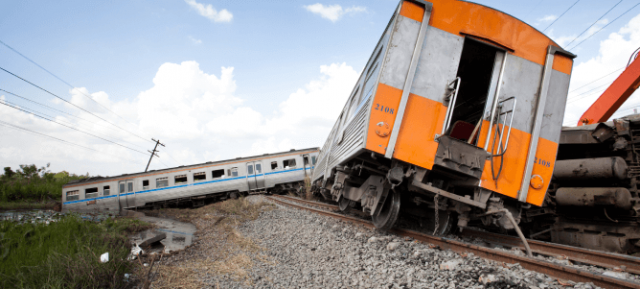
(196, 114)
(547, 18)
(613, 54)
(195, 40)
(333, 12)
(208, 11)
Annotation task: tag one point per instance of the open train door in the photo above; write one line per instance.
(126, 194)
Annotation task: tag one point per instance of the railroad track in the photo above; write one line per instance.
(602, 259)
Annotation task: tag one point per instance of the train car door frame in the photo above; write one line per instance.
(255, 176)
(126, 193)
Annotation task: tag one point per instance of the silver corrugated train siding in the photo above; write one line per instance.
(321, 165)
(353, 139)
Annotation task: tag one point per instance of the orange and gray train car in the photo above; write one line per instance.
(456, 116)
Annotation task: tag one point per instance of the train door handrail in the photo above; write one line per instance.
(495, 101)
(505, 113)
(452, 104)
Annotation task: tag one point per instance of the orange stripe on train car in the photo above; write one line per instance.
(477, 20)
(545, 162)
(562, 63)
(412, 10)
(510, 180)
(423, 118)
(513, 162)
(383, 113)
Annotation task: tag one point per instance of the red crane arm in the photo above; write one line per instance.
(615, 95)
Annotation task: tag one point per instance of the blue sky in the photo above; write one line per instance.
(277, 55)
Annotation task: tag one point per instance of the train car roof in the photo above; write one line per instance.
(185, 168)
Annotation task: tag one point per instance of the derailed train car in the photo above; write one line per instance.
(456, 117)
(194, 184)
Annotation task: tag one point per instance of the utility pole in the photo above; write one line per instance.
(153, 153)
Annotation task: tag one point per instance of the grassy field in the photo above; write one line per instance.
(65, 254)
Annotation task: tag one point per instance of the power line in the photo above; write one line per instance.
(177, 162)
(62, 80)
(595, 80)
(603, 27)
(73, 128)
(61, 140)
(29, 82)
(534, 8)
(576, 98)
(594, 23)
(11, 93)
(554, 21)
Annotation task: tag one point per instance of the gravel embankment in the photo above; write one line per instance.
(307, 250)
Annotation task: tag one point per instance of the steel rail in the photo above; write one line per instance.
(575, 254)
(545, 267)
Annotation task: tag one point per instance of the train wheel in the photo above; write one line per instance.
(233, 195)
(445, 223)
(388, 214)
(343, 204)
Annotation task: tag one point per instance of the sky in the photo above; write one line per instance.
(219, 79)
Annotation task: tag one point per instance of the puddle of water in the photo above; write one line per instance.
(179, 234)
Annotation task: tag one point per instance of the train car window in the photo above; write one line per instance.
(199, 177)
(258, 168)
(179, 179)
(90, 193)
(305, 159)
(290, 163)
(313, 160)
(233, 172)
(250, 169)
(121, 188)
(145, 184)
(162, 182)
(130, 187)
(274, 166)
(217, 174)
(73, 195)
(106, 191)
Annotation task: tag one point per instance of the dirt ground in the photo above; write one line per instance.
(218, 249)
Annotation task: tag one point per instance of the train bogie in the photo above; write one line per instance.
(279, 172)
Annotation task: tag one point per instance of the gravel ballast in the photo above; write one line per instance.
(307, 250)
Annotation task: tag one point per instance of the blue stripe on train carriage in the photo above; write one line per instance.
(175, 187)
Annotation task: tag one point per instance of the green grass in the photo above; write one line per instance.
(66, 254)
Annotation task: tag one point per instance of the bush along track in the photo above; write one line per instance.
(66, 253)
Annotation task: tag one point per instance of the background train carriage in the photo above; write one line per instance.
(278, 172)
(457, 100)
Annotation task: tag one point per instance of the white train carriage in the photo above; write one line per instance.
(273, 173)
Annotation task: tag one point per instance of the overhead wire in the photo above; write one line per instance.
(51, 108)
(603, 27)
(554, 21)
(71, 127)
(534, 8)
(595, 80)
(61, 140)
(43, 105)
(594, 23)
(63, 81)
(51, 93)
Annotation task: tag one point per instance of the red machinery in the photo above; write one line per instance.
(615, 95)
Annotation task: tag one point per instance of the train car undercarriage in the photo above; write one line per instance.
(592, 201)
